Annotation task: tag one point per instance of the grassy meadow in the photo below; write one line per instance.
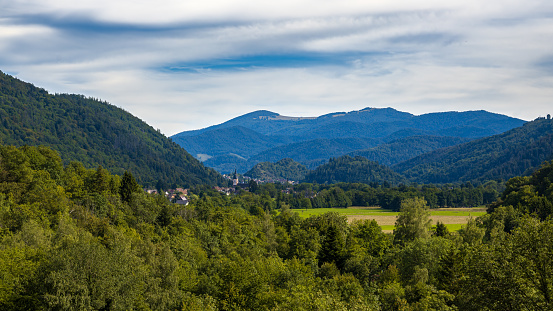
(454, 218)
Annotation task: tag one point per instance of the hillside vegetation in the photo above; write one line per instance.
(94, 133)
(73, 238)
(402, 149)
(516, 152)
(285, 169)
(353, 170)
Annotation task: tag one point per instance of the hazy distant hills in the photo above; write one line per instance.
(94, 133)
(262, 136)
(516, 152)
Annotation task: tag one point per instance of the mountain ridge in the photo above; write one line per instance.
(94, 133)
(515, 152)
(289, 133)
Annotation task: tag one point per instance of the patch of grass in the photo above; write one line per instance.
(453, 218)
(454, 227)
(304, 213)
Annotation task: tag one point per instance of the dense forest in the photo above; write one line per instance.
(73, 238)
(519, 151)
(399, 150)
(94, 133)
(285, 169)
(353, 169)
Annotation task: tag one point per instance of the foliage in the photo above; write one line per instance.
(285, 169)
(94, 133)
(353, 170)
(413, 221)
(513, 153)
(69, 240)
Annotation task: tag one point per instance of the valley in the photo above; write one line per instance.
(99, 211)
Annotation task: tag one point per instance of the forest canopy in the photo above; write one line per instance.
(86, 239)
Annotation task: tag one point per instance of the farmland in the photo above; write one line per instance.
(454, 218)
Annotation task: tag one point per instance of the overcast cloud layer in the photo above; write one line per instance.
(182, 65)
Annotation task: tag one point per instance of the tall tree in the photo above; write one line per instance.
(128, 187)
(413, 221)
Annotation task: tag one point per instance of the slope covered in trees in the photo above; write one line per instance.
(403, 149)
(94, 133)
(353, 170)
(83, 239)
(285, 169)
(513, 153)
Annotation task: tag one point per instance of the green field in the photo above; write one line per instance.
(376, 211)
(454, 218)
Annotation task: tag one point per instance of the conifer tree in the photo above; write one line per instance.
(128, 187)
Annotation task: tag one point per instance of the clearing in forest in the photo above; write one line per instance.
(454, 218)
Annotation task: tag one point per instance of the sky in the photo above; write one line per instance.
(187, 64)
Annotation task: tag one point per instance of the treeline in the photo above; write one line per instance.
(78, 239)
(386, 196)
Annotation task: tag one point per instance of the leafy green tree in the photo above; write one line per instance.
(441, 229)
(413, 221)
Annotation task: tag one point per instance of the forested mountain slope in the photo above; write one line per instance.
(94, 133)
(515, 152)
(353, 170)
(284, 169)
(245, 142)
(402, 149)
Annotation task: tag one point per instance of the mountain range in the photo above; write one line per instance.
(385, 135)
(371, 145)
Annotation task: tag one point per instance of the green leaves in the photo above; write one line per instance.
(413, 221)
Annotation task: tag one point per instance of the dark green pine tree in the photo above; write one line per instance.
(441, 229)
(128, 187)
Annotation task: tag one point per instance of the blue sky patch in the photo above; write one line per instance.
(299, 60)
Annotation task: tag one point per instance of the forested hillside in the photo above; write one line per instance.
(513, 153)
(285, 169)
(403, 149)
(94, 133)
(83, 239)
(353, 170)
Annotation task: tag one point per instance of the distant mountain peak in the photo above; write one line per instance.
(259, 114)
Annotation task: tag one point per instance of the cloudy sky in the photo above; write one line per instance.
(187, 64)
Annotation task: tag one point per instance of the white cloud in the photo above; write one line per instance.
(416, 56)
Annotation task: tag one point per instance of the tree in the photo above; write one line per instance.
(128, 187)
(441, 229)
(413, 221)
(332, 248)
(252, 186)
